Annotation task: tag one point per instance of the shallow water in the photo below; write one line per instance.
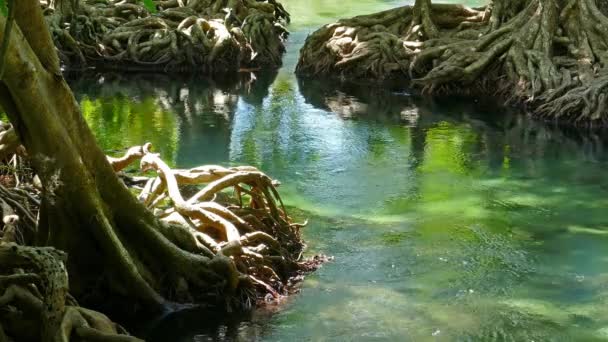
(449, 220)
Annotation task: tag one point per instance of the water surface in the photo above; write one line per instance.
(449, 219)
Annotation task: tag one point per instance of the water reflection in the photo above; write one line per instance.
(449, 219)
(201, 325)
(191, 111)
(503, 213)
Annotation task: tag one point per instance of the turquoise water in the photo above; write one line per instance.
(449, 219)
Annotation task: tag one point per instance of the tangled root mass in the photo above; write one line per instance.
(234, 219)
(547, 55)
(213, 36)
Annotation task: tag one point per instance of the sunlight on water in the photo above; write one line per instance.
(449, 220)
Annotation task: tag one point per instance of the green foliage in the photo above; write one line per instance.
(3, 8)
(150, 5)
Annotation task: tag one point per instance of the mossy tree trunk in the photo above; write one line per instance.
(84, 202)
(116, 247)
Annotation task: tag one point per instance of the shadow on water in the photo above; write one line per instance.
(449, 219)
(201, 325)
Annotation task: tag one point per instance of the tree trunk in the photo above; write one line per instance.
(65, 8)
(118, 250)
(78, 182)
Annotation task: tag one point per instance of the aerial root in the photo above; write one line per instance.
(230, 239)
(19, 207)
(131, 155)
(231, 235)
(584, 103)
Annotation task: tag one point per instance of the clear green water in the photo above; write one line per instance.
(448, 220)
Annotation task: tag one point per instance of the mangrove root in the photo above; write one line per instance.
(35, 304)
(238, 213)
(547, 55)
(214, 36)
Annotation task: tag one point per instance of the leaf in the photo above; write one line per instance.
(3, 8)
(150, 5)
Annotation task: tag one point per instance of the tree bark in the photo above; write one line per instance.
(76, 177)
(117, 248)
(65, 8)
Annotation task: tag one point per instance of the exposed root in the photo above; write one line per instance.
(582, 103)
(545, 54)
(238, 214)
(19, 208)
(19, 195)
(382, 45)
(9, 142)
(237, 221)
(35, 305)
(214, 36)
(243, 236)
(132, 154)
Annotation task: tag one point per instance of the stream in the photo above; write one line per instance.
(449, 219)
